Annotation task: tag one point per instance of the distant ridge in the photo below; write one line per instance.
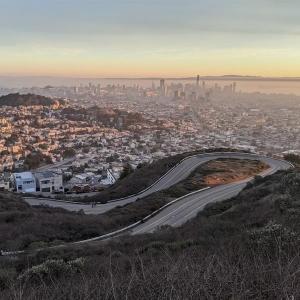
(49, 81)
(212, 78)
(206, 77)
(28, 100)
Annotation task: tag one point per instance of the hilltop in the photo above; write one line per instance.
(28, 100)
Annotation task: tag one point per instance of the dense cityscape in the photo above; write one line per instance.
(89, 134)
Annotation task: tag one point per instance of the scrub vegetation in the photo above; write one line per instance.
(245, 247)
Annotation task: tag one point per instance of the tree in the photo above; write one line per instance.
(293, 158)
(291, 184)
(126, 171)
(86, 150)
(43, 146)
(69, 153)
(4, 152)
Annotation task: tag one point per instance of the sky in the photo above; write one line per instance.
(147, 38)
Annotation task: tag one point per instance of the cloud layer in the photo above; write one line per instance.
(98, 35)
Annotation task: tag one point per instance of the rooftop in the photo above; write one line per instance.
(45, 175)
(24, 175)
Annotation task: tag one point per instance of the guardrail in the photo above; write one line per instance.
(125, 229)
(10, 253)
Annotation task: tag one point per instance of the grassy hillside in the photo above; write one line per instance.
(23, 226)
(243, 248)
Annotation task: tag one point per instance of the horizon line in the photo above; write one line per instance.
(203, 77)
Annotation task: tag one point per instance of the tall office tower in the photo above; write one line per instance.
(153, 86)
(162, 87)
(198, 80)
(203, 85)
(98, 90)
(234, 87)
(176, 94)
(193, 97)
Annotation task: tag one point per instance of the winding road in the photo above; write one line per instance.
(175, 213)
(185, 207)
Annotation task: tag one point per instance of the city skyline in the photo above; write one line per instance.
(137, 39)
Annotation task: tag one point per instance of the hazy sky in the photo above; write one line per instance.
(149, 37)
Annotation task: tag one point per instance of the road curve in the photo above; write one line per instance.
(188, 207)
(175, 175)
(55, 165)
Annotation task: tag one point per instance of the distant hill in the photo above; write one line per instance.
(28, 100)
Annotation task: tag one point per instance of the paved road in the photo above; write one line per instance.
(174, 176)
(55, 166)
(182, 211)
(187, 208)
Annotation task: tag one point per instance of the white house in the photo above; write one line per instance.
(24, 182)
(83, 179)
(48, 182)
(110, 179)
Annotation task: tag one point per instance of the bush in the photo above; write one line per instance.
(52, 268)
(7, 277)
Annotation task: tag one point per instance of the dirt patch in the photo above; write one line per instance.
(223, 171)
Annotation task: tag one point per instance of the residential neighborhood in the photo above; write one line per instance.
(97, 130)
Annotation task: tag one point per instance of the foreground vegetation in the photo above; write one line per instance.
(245, 247)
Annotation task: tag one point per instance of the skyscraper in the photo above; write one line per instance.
(234, 87)
(176, 94)
(198, 80)
(162, 87)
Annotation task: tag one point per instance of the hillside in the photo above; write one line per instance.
(245, 247)
(28, 100)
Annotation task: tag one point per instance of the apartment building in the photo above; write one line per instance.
(23, 182)
(48, 182)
